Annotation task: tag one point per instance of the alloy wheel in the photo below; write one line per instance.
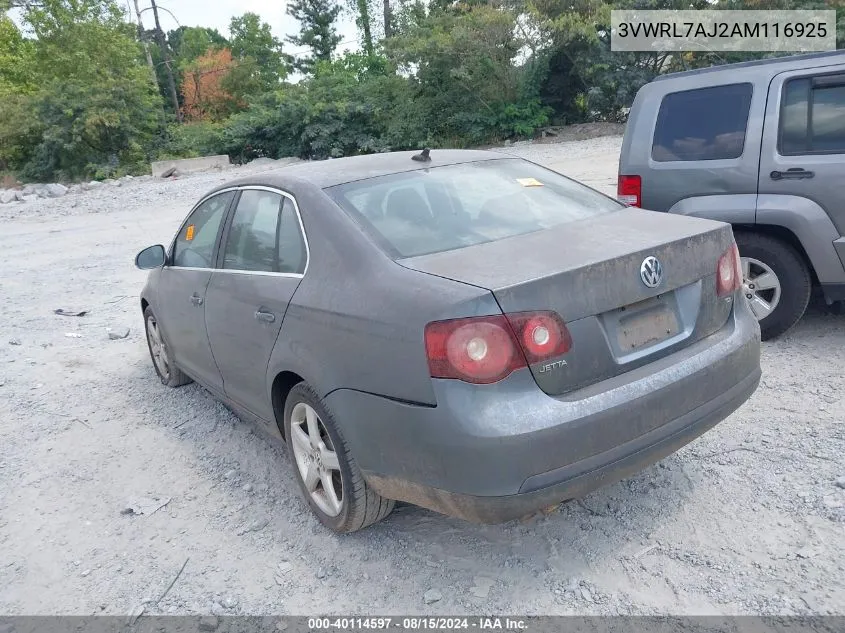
(761, 286)
(158, 349)
(316, 459)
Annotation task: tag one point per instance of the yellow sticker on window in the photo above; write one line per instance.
(529, 182)
(189, 232)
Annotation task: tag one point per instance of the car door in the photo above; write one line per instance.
(805, 156)
(263, 258)
(182, 289)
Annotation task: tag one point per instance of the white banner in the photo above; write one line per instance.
(722, 31)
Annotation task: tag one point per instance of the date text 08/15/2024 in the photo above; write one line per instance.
(417, 623)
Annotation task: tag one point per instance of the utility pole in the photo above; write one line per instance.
(145, 43)
(168, 63)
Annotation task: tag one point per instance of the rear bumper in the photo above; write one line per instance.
(501, 451)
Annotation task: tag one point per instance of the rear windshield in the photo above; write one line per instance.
(445, 208)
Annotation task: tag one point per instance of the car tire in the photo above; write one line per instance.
(169, 374)
(358, 506)
(759, 252)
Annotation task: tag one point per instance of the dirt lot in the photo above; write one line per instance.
(748, 519)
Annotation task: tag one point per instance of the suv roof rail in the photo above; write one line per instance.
(785, 59)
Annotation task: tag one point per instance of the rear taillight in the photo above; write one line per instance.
(728, 272)
(629, 190)
(484, 350)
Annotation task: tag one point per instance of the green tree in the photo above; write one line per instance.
(317, 20)
(259, 52)
(94, 108)
(189, 42)
(17, 60)
(461, 63)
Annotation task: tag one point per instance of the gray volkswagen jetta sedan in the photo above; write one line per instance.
(461, 330)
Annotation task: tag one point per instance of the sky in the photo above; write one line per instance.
(217, 13)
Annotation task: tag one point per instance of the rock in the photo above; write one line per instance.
(93, 184)
(262, 488)
(19, 195)
(29, 190)
(230, 602)
(431, 596)
(29, 198)
(247, 487)
(14, 341)
(208, 623)
(217, 609)
(54, 190)
(120, 333)
(110, 181)
(171, 173)
(840, 482)
(85, 573)
(480, 592)
(285, 567)
(230, 474)
(321, 573)
(7, 196)
(585, 593)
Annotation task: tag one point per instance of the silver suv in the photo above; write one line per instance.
(760, 145)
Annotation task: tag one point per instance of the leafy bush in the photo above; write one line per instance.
(193, 139)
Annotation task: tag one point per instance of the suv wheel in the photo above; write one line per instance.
(776, 282)
(329, 478)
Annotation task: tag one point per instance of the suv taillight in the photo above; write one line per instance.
(629, 190)
(729, 272)
(484, 350)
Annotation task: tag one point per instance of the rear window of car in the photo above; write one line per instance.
(445, 208)
(703, 124)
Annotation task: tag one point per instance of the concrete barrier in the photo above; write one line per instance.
(188, 165)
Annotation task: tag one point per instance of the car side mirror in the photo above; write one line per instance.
(151, 257)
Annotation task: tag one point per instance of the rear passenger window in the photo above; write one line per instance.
(813, 116)
(265, 235)
(703, 124)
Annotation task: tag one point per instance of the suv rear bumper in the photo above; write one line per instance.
(497, 452)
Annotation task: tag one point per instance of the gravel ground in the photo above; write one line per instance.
(749, 519)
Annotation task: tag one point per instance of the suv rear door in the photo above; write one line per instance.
(803, 150)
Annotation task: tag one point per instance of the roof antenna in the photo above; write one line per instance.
(423, 156)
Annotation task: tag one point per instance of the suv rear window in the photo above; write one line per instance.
(455, 206)
(703, 124)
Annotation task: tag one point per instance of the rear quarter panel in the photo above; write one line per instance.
(357, 319)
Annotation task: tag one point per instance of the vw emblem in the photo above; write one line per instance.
(651, 272)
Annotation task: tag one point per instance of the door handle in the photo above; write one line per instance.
(266, 317)
(196, 299)
(794, 173)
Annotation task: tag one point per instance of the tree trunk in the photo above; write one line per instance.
(145, 43)
(388, 25)
(364, 23)
(168, 63)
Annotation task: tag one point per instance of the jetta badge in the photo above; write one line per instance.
(651, 272)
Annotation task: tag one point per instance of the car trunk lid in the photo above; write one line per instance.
(591, 273)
